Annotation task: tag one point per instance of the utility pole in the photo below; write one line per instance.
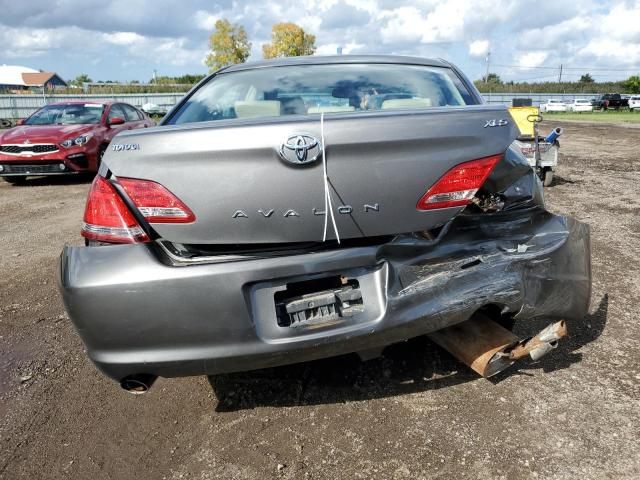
(487, 60)
(560, 76)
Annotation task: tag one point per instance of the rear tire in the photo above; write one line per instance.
(15, 180)
(548, 178)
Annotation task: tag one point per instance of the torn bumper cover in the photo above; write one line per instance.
(137, 314)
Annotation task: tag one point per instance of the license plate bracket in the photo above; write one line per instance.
(308, 304)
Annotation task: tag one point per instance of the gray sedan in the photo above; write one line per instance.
(302, 208)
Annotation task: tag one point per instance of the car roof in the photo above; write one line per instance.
(337, 59)
(83, 102)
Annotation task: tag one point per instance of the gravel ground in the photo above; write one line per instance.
(414, 413)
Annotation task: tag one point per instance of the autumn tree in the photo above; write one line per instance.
(229, 45)
(289, 40)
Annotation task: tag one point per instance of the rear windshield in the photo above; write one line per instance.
(316, 89)
(69, 114)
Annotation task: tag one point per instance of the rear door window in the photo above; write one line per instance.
(329, 88)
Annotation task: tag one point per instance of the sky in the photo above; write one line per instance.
(125, 40)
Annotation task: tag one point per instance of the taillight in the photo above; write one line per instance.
(107, 218)
(155, 202)
(458, 186)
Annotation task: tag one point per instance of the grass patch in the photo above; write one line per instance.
(608, 116)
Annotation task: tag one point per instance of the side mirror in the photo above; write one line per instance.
(20, 122)
(115, 121)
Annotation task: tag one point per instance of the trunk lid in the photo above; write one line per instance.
(379, 165)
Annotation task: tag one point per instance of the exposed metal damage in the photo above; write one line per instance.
(488, 348)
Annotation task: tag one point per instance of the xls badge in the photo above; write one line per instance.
(496, 122)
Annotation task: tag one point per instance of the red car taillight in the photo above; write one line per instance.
(155, 202)
(107, 218)
(458, 186)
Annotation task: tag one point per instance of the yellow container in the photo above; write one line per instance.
(519, 115)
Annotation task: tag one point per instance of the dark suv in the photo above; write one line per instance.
(610, 100)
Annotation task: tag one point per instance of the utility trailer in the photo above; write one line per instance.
(548, 156)
(541, 152)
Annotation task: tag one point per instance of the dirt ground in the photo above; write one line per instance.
(414, 413)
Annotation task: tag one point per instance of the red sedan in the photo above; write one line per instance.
(65, 138)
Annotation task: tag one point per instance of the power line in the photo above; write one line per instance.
(594, 69)
(567, 76)
(536, 78)
(571, 77)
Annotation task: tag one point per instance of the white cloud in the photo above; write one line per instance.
(622, 22)
(532, 59)
(34, 43)
(25, 42)
(611, 49)
(479, 48)
(172, 36)
(205, 20)
(405, 24)
(332, 48)
(557, 36)
(123, 38)
(444, 23)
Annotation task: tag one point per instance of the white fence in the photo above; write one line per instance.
(536, 98)
(21, 106)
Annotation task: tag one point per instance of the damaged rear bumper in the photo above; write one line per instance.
(137, 314)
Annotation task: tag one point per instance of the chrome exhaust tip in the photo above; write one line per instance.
(138, 384)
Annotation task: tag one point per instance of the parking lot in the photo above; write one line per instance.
(414, 413)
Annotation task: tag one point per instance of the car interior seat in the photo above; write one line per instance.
(331, 109)
(257, 108)
(406, 103)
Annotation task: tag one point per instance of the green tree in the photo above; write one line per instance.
(80, 79)
(229, 45)
(586, 78)
(492, 78)
(289, 40)
(632, 84)
(189, 79)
